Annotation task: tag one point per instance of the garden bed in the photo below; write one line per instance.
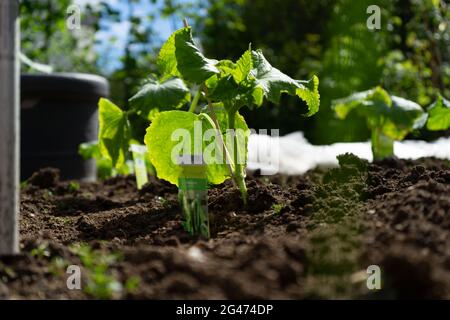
(309, 236)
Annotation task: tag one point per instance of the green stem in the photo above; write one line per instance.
(196, 100)
(239, 175)
(382, 146)
(220, 141)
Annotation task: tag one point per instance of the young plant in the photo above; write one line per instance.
(101, 283)
(218, 131)
(388, 117)
(117, 151)
(105, 168)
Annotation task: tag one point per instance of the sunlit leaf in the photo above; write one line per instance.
(175, 133)
(439, 114)
(113, 132)
(273, 83)
(179, 56)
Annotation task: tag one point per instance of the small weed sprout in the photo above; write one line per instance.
(101, 284)
(277, 207)
(41, 251)
(73, 186)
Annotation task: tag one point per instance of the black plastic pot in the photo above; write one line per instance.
(58, 112)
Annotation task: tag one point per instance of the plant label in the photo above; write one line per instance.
(140, 168)
(193, 195)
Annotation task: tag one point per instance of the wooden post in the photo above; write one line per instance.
(9, 127)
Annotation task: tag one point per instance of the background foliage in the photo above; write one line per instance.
(409, 56)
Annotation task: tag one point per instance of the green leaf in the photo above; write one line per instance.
(174, 133)
(439, 115)
(405, 115)
(273, 83)
(395, 117)
(180, 57)
(226, 67)
(233, 84)
(170, 94)
(376, 97)
(89, 150)
(223, 88)
(258, 96)
(243, 66)
(167, 61)
(113, 132)
(309, 92)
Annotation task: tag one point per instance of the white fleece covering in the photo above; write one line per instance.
(296, 155)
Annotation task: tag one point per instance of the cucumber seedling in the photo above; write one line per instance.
(217, 131)
(389, 117)
(210, 129)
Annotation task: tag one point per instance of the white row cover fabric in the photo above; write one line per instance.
(293, 154)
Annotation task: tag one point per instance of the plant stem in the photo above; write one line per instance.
(130, 112)
(195, 100)
(382, 146)
(219, 138)
(220, 142)
(239, 176)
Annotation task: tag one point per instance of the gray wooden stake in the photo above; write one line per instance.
(9, 127)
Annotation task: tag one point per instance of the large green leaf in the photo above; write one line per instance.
(252, 79)
(439, 115)
(180, 57)
(376, 98)
(113, 132)
(167, 61)
(167, 95)
(174, 133)
(272, 83)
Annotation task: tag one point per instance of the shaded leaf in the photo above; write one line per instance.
(170, 94)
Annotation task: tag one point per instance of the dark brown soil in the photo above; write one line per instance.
(311, 236)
